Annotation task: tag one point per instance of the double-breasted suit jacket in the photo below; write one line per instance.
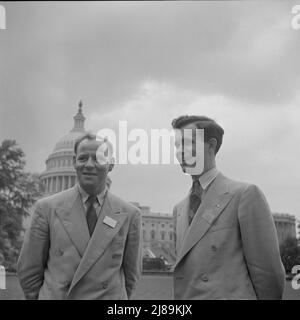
(59, 260)
(230, 250)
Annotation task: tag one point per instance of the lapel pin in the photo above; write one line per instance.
(110, 222)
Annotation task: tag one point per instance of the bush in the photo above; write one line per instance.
(153, 264)
(18, 191)
(290, 254)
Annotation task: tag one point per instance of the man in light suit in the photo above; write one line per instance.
(227, 246)
(84, 242)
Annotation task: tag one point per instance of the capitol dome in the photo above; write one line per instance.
(67, 141)
(60, 173)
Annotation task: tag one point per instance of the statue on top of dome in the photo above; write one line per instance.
(80, 106)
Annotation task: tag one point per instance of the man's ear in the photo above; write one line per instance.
(111, 164)
(74, 162)
(213, 144)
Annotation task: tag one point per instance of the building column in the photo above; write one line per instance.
(44, 182)
(73, 181)
(50, 184)
(47, 185)
(55, 184)
(59, 183)
(64, 183)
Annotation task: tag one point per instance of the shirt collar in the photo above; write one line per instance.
(85, 195)
(208, 177)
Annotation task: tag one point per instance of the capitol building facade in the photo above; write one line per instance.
(157, 228)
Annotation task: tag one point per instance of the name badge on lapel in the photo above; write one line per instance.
(110, 222)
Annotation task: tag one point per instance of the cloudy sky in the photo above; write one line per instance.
(147, 63)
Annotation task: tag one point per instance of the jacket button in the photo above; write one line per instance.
(104, 285)
(214, 248)
(204, 278)
(60, 252)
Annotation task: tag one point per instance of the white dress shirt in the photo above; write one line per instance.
(97, 204)
(206, 179)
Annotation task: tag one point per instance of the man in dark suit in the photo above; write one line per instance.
(227, 246)
(83, 243)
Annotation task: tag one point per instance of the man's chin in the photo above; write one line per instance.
(89, 186)
(191, 170)
(88, 181)
(186, 167)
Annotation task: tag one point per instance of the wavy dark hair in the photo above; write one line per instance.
(210, 126)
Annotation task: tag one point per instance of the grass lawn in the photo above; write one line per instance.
(149, 288)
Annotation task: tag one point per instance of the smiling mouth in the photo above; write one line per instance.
(187, 165)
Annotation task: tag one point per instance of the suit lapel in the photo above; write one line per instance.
(215, 201)
(71, 215)
(101, 238)
(182, 222)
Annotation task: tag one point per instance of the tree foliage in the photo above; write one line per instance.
(290, 254)
(18, 192)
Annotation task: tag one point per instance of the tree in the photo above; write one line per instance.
(290, 254)
(298, 228)
(18, 192)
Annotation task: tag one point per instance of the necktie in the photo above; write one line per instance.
(91, 215)
(195, 199)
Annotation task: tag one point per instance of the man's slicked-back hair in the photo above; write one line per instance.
(210, 126)
(86, 136)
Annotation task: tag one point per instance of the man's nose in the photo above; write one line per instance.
(90, 162)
